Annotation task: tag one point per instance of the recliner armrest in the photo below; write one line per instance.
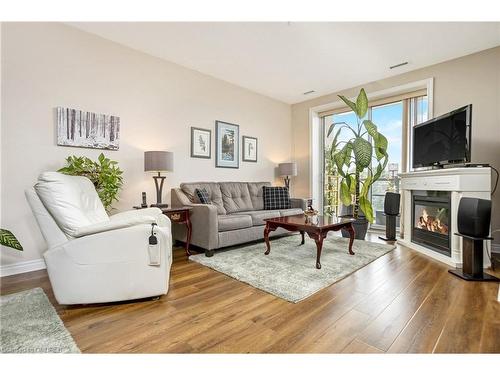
(112, 225)
(132, 214)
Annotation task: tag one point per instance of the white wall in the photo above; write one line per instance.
(45, 65)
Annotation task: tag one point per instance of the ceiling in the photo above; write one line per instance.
(283, 60)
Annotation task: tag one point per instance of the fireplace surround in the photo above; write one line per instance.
(432, 188)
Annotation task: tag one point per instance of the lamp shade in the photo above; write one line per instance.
(158, 161)
(288, 169)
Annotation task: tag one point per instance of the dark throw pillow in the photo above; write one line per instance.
(276, 198)
(202, 195)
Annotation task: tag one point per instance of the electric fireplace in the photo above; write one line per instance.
(431, 220)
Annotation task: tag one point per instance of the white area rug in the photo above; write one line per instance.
(30, 324)
(289, 271)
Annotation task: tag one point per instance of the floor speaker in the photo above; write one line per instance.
(473, 222)
(391, 212)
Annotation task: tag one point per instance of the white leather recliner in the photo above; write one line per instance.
(93, 257)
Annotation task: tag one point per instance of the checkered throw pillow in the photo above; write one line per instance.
(276, 198)
(202, 195)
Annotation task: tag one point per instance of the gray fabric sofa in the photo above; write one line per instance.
(236, 213)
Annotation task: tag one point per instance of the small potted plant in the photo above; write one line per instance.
(104, 174)
(360, 161)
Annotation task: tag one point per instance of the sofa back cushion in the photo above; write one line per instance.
(256, 194)
(236, 196)
(276, 198)
(203, 196)
(213, 189)
(71, 200)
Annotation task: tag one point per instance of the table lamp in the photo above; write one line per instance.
(158, 161)
(286, 170)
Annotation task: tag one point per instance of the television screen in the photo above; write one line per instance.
(443, 140)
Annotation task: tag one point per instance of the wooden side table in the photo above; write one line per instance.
(180, 215)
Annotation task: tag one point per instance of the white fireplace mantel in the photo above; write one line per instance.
(472, 182)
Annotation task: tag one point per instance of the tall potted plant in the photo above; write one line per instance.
(360, 161)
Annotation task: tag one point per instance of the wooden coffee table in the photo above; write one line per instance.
(317, 229)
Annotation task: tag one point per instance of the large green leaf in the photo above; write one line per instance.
(366, 187)
(9, 240)
(362, 152)
(345, 195)
(380, 144)
(371, 128)
(350, 104)
(362, 103)
(366, 206)
(343, 157)
(379, 171)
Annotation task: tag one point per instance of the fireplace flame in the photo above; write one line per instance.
(431, 223)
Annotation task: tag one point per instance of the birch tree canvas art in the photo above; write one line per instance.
(78, 128)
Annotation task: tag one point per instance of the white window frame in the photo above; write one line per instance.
(316, 141)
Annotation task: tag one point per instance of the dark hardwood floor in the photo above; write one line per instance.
(402, 302)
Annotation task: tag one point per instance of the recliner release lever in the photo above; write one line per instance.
(152, 239)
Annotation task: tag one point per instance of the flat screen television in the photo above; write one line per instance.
(444, 139)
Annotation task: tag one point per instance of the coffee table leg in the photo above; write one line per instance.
(319, 247)
(303, 240)
(267, 229)
(350, 229)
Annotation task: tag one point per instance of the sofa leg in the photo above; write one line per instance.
(209, 253)
(155, 298)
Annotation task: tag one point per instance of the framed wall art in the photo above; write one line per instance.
(227, 145)
(201, 143)
(249, 149)
(78, 128)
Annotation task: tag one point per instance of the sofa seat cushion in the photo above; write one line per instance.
(213, 190)
(291, 211)
(233, 222)
(236, 196)
(259, 216)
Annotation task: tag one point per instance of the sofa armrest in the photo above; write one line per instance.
(205, 226)
(299, 203)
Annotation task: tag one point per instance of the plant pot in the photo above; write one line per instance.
(360, 228)
(360, 225)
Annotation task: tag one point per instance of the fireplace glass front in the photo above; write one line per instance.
(431, 220)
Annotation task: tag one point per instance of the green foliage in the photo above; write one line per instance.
(104, 174)
(9, 240)
(359, 157)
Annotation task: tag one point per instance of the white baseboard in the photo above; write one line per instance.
(22, 267)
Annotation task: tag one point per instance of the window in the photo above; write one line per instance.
(394, 118)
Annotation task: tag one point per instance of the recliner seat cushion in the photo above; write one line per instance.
(236, 197)
(233, 222)
(213, 190)
(71, 200)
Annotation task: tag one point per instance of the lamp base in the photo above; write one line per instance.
(159, 205)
